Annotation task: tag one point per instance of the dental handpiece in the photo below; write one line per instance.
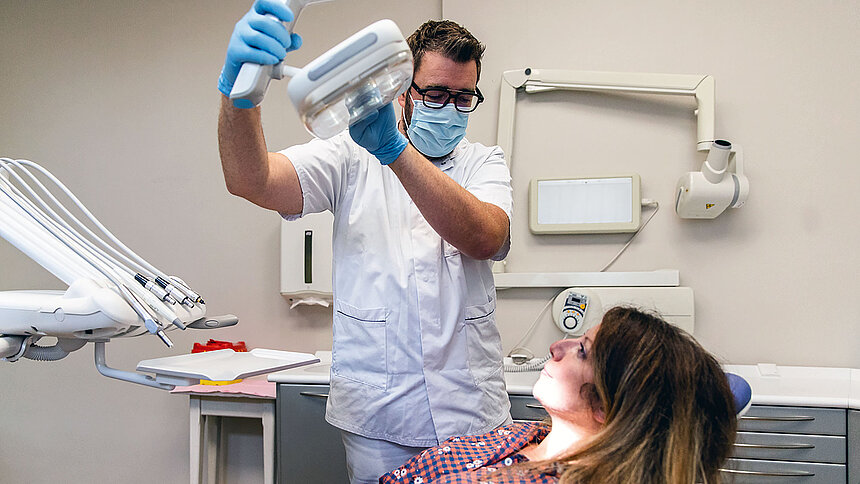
(155, 289)
(253, 79)
(175, 292)
(196, 298)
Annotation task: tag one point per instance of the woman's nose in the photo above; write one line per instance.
(561, 347)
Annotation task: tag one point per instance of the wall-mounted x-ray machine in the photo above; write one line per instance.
(704, 194)
(701, 194)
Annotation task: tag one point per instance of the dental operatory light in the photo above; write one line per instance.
(342, 86)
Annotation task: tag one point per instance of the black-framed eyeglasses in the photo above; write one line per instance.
(438, 98)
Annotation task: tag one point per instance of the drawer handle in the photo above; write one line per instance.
(535, 406)
(313, 394)
(775, 446)
(770, 473)
(780, 419)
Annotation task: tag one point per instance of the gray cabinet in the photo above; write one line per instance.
(775, 444)
(796, 445)
(802, 445)
(854, 447)
(524, 408)
(308, 449)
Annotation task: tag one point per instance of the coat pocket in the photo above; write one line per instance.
(483, 342)
(359, 349)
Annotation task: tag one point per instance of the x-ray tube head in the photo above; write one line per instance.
(708, 193)
(717, 161)
(352, 80)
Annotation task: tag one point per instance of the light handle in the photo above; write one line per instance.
(253, 79)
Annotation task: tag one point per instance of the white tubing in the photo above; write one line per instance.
(103, 261)
(50, 232)
(94, 220)
(63, 225)
(32, 241)
(42, 225)
(57, 243)
(20, 164)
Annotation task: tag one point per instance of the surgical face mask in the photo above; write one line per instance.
(436, 132)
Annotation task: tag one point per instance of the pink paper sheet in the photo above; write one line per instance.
(249, 387)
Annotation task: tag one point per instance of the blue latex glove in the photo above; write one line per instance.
(379, 135)
(259, 39)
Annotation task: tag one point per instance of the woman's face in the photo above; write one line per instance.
(560, 385)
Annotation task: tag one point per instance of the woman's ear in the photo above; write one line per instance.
(599, 415)
(589, 393)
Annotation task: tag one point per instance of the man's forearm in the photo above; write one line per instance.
(478, 229)
(250, 171)
(242, 148)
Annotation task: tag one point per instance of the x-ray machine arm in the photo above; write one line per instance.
(705, 194)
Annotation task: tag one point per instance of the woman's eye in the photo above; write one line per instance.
(582, 351)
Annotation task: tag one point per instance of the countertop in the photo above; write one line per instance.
(316, 374)
(771, 384)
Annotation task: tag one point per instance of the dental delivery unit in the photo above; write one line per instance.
(112, 291)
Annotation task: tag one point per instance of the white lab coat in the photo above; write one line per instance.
(416, 355)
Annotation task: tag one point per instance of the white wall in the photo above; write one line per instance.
(118, 99)
(774, 280)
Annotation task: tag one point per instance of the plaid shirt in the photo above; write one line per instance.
(473, 459)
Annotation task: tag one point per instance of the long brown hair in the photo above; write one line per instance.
(669, 410)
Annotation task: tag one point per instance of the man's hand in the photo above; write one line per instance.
(260, 38)
(378, 134)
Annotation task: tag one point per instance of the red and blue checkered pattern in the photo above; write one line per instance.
(472, 459)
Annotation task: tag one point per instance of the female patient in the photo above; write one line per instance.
(635, 400)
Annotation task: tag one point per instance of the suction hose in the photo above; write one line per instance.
(53, 353)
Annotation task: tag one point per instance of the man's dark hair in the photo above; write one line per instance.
(448, 38)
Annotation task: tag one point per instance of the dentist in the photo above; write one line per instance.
(420, 213)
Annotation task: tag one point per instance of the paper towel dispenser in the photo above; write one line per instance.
(306, 259)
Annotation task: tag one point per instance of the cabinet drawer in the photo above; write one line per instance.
(795, 447)
(742, 471)
(526, 408)
(309, 449)
(795, 420)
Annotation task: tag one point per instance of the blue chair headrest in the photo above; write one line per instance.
(742, 392)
